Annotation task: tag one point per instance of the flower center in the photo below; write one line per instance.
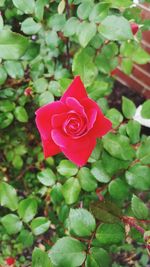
(75, 125)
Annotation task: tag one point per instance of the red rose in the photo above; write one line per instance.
(10, 261)
(72, 124)
(134, 27)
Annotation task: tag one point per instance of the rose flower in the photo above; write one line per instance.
(72, 124)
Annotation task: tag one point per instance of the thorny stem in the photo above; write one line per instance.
(133, 223)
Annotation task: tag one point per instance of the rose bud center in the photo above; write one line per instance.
(75, 125)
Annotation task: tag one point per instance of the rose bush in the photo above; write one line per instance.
(72, 124)
(55, 212)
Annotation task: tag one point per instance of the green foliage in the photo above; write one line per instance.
(52, 211)
(128, 108)
(146, 110)
(115, 28)
(81, 222)
(40, 259)
(139, 208)
(11, 223)
(40, 225)
(108, 234)
(12, 45)
(73, 253)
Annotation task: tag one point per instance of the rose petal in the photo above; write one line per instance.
(74, 105)
(81, 156)
(50, 148)
(43, 117)
(76, 90)
(101, 127)
(64, 141)
(58, 120)
(91, 114)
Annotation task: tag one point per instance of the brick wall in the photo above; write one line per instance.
(139, 80)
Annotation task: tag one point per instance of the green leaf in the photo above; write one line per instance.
(127, 49)
(40, 258)
(25, 238)
(8, 197)
(12, 45)
(108, 234)
(138, 177)
(139, 209)
(40, 85)
(99, 12)
(143, 152)
(71, 190)
(6, 106)
(115, 116)
(25, 6)
(127, 65)
(87, 180)
(96, 153)
(85, 32)
(115, 28)
(118, 189)
(98, 89)
(67, 252)
(57, 22)
(3, 75)
(71, 26)
(67, 168)
(46, 98)
(1, 22)
(81, 222)
(84, 9)
(40, 225)
(61, 6)
(101, 257)
(145, 112)
(27, 209)
(14, 69)
(113, 165)
(63, 213)
(99, 172)
(106, 65)
(17, 162)
(133, 129)
(90, 262)
(118, 146)
(32, 51)
(140, 56)
(128, 108)
(5, 120)
(29, 26)
(122, 4)
(47, 177)
(106, 212)
(39, 9)
(84, 66)
(56, 194)
(11, 223)
(21, 114)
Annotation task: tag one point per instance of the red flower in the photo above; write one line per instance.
(72, 124)
(134, 27)
(10, 261)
